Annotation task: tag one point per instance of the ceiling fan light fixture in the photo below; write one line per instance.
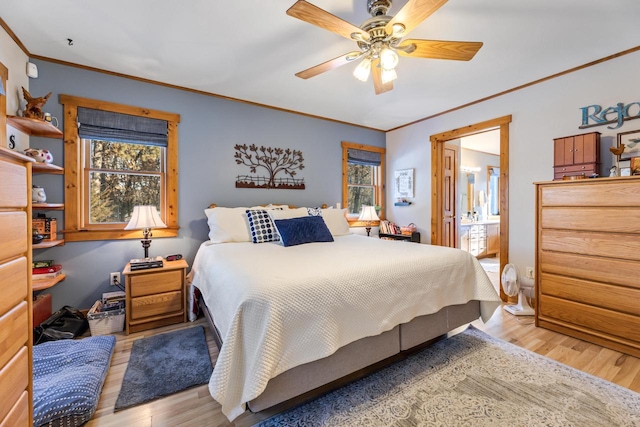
(398, 29)
(388, 75)
(388, 58)
(363, 70)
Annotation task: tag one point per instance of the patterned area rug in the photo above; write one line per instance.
(471, 379)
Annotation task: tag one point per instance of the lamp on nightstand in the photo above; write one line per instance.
(145, 218)
(368, 215)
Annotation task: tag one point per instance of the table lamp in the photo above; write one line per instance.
(145, 218)
(368, 215)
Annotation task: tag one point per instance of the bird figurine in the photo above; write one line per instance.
(617, 150)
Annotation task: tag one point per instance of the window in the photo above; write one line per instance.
(362, 179)
(120, 176)
(116, 157)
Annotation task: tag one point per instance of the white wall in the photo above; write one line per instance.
(16, 61)
(540, 113)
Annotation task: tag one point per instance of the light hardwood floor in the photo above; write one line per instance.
(195, 407)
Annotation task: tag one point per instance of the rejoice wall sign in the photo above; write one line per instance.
(594, 115)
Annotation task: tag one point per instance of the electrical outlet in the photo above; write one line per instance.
(114, 278)
(530, 273)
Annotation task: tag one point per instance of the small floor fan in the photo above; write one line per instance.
(511, 286)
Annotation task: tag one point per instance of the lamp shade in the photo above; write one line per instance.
(145, 217)
(368, 213)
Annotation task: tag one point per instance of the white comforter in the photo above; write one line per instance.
(279, 307)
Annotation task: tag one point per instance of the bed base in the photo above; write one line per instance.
(355, 360)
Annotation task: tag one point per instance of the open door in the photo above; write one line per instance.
(441, 186)
(449, 196)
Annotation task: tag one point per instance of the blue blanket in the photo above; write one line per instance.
(67, 379)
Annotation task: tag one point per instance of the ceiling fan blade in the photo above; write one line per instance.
(307, 12)
(329, 65)
(439, 49)
(413, 13)
(376, 71)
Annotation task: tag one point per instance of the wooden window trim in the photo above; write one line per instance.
(379, 179)
(74, 175)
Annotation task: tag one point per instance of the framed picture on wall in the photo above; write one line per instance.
(631, 141)
(403, 183)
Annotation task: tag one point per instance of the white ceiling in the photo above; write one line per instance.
(250, 49)
(486, 142)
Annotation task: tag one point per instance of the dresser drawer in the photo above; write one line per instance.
(13, 283)
(589, 318)
(14, 379)
(14, 332)
(13, 229)
(591, 192)
(603, 295)
(13, 191)
(158, 304)
(591, 219)
(18, 415)
(155, 283)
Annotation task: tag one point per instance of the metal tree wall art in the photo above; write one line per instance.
(274, 161)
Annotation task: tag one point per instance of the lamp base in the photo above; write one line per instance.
(145, 245)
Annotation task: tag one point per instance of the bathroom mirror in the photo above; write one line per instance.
(467, 199)
(493, 190)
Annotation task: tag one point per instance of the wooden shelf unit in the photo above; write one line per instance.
(34, 127)
(48, 206)
(42, 284)
(413, 237)
(48, 244)
(39, 167)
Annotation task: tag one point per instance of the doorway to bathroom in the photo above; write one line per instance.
(479, 191)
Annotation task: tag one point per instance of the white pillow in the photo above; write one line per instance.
(336, 221)
(288, 213)
(227, 225)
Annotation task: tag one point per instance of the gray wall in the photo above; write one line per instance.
(208, 130)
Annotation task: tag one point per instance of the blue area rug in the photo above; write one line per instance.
(165, 364)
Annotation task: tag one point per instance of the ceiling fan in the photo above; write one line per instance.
(380, 39)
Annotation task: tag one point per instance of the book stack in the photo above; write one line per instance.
(388, 227)
(144, 263)
(113, 300)
(45, 270)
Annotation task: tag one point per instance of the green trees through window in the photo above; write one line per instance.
(360, 187)
(121, 176)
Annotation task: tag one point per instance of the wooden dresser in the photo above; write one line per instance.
(16, 363)
(576, 155)
(588, 260)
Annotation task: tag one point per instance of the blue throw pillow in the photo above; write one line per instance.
(261, 226)
(306, 229)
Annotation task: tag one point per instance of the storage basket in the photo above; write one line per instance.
(408, 229)
(105, 322)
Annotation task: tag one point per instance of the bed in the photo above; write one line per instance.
(293, 318)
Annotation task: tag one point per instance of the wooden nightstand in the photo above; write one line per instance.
(156, 296)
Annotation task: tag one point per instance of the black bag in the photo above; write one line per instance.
(66, 323)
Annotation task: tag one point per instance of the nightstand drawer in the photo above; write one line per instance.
(156, 283)
(153, 305)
